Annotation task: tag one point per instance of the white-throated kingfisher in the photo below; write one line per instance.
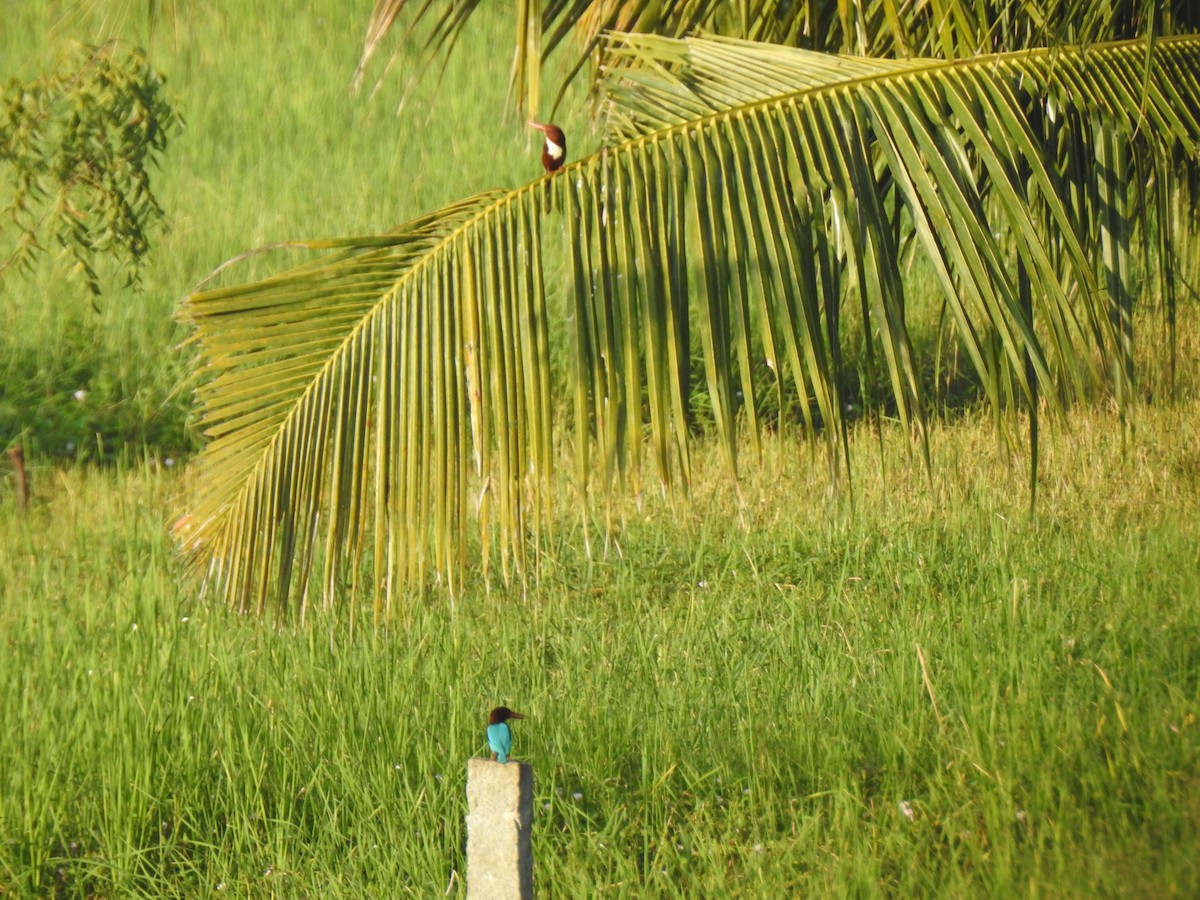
(554, 150)
(498, 734)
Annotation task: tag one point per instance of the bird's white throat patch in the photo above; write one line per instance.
(553, 149)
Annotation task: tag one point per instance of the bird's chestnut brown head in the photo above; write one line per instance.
(502, 714)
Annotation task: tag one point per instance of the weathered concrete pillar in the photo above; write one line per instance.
(499, 818)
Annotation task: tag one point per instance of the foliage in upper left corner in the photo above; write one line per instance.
(76, 148)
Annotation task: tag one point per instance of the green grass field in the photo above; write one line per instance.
(919, 690)
(933, 694)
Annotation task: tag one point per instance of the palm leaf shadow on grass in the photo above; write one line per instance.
(366, 410)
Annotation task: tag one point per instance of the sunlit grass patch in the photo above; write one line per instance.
(928, 691)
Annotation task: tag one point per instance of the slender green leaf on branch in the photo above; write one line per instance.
(77, 146)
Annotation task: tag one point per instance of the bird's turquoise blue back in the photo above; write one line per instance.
(500, 740)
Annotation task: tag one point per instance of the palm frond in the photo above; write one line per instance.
(948, 29)
(366, 408)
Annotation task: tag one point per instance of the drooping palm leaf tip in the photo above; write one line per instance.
(369, 411)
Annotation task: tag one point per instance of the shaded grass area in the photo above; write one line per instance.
(762, 692)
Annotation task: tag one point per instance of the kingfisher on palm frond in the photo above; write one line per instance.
(498, 734)
(554, 148)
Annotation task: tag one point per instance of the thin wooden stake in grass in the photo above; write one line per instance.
(16, 456)
(929, 685)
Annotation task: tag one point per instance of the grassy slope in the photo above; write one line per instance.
(731, 701)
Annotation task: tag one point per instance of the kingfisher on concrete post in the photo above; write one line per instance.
(498, 734)
(554, 150)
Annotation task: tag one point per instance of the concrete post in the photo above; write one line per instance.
(499, 817)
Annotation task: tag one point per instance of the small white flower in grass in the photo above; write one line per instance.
(81, 395)
(268, 871)
(759, 848)
(220, 885)
(134, 627)
(70, 446)
(168, 462)
(578, 795)
(907, 810)
(190, 698)
(545, 806)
